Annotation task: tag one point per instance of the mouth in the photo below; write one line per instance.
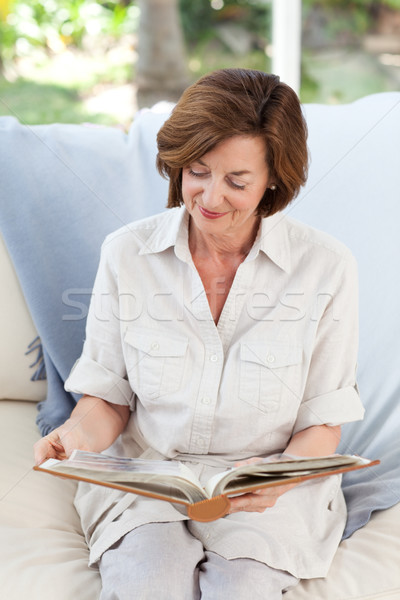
(210, 215)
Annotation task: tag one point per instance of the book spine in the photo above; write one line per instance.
(209, 510)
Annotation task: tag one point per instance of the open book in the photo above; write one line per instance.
(175, 482)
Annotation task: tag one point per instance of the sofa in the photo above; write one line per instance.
(62, 189)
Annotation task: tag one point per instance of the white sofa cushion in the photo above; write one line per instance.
(43, 554)
(353, 193)
(17, 332)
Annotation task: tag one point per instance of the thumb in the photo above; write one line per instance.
(49, 447)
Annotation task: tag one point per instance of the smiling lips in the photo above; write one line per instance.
(210, 215)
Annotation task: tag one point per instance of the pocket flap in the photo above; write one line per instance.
(271, 354)
(156, 344)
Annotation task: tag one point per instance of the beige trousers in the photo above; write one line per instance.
(164, 561)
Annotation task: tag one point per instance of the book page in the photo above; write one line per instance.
(171, 478)
(233, 479)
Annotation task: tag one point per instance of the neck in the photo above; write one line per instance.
(219, 247)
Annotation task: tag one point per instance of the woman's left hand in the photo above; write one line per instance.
(259, 500)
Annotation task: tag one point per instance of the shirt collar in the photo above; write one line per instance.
(171, 231)
(273, 240)
(272, 237)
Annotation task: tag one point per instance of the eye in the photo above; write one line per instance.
(196, 173)
(236, 186)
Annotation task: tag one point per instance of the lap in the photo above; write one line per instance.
(164, 561)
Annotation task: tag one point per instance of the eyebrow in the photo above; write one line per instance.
(237, 173)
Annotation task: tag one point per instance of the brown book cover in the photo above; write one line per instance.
(172, 481)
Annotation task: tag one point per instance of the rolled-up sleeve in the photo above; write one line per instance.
(331, 394)
(92, 378)
(334, 408)
(101, 369)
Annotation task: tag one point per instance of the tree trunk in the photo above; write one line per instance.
(161, 68)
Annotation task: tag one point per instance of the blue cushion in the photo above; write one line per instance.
(63, 189)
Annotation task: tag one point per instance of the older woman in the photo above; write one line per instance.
(220, 331)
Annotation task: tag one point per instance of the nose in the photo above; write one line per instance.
(212, 195)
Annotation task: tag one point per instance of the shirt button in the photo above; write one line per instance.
(213, 358)
(206, 400)
(270, 358)
(155, 346)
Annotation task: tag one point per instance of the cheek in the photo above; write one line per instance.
(190, 187)
(249, 204)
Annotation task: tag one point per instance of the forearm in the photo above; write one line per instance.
(319, 440)
(94, 424)
(100, 422)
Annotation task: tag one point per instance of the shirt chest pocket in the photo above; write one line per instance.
(155, 362)
(269, 372)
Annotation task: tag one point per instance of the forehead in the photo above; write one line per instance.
(238, 153)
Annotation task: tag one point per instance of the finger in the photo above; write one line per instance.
(56, 445)
(248, 461)
(49, 447)
(276, 490)
(267, 492)
(43, 450)
(59, 450)
(252, 502)
(244, 502)
(248, 508)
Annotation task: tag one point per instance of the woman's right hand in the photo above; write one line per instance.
(59, 443)
(93, 426)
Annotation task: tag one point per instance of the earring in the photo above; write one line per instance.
(273, 187)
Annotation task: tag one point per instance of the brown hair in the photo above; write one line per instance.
(232, 102)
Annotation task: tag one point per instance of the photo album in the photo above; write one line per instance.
(173, 481)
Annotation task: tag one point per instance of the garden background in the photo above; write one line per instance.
(76, 61)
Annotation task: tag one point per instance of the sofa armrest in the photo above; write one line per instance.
(17, 332)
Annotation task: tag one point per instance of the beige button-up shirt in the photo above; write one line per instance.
(282, 358)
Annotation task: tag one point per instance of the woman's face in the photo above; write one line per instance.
(223, 188)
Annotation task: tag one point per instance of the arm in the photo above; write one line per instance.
(319, 440)
(330, 396)
(100, 374)
(94, 424)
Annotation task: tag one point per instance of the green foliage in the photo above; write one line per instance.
(199, 18)
(55, 23)
(40, 103)
(351, 4)
(57, 88)
(353, 16)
